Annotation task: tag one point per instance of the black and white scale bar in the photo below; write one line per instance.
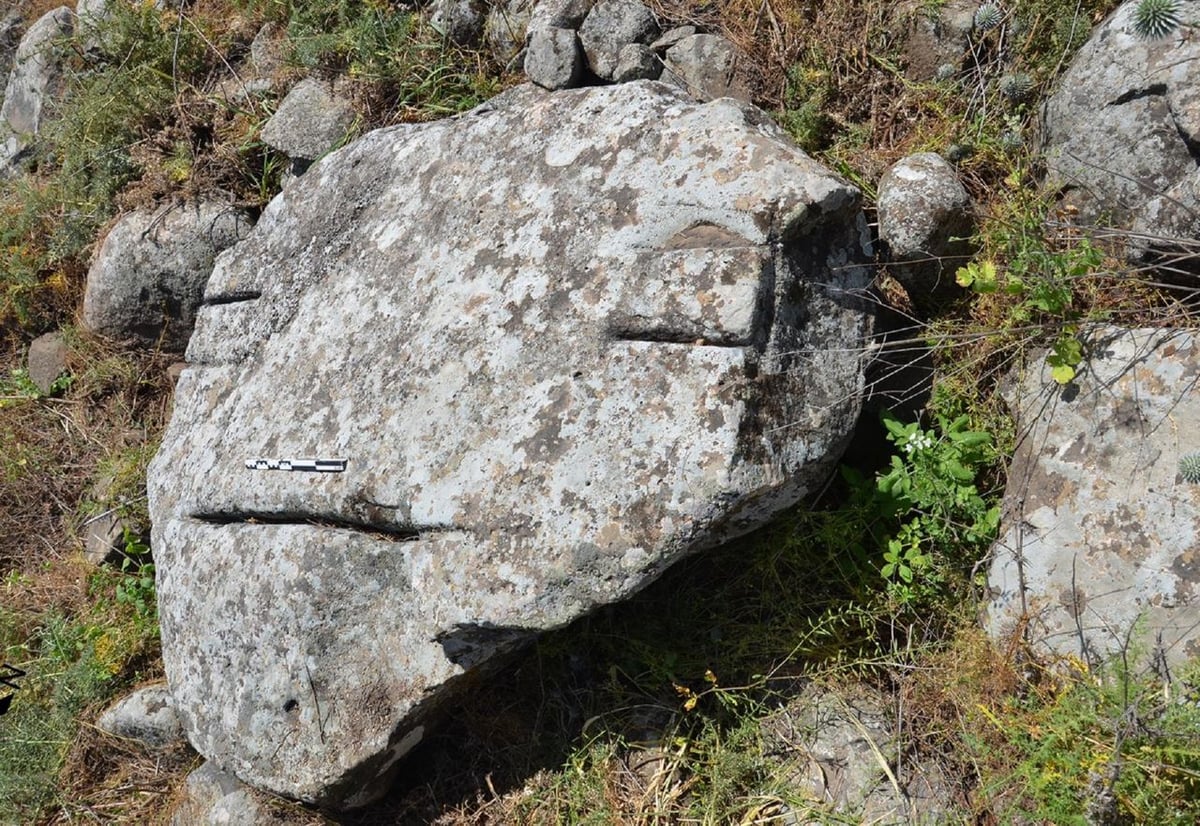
(309, 465)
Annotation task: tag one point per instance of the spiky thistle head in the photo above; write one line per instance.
(1189, 467)
(988, 16)
(1153, 19)
(1016, 86)
(1011, 140)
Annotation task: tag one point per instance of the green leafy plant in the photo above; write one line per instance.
(930, 488)
(1154, 19)
(1083, 747)
(1039, 286)
(135, 587)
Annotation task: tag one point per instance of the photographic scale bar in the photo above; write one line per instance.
(309, 465)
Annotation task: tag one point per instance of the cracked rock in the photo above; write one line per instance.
(1122, 129)
(1097, 549)
(560, 342)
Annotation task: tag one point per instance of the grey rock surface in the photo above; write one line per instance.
(562, 341)
(91, 13)
(268, 49)
(1122, 127)
(672, 36)
(924, 219)
(553, 59)
(706, 66)
(212, 797)
(459, 21)
(637, 62)
(146, 715)
(12, 26)
(558, 14)
(103, 538)
(309, 122)
(837, 746)
(610, 26)
(148, 278)
(1101, 536)
(47, 360)
(35, 79)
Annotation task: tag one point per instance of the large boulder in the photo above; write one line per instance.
(12, 26)
(1121, 130)
(148, 279)
(559, 343)
(1101, 535)
(35, 80)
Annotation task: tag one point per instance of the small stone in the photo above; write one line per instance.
(147, 714)
(924, 213)
(47, 360)
(105, 538)
(558, 14)
(553, 59)
(505, 27)
(310, 121)
(637, 62)
(266, 50)
(459, 21)
(610, 26)
(211, 796)
(671, 37)
(704, 65)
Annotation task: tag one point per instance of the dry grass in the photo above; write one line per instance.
(55, 448)
(107, 779)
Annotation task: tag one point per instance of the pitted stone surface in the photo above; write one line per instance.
(1121, 128)
(1101, 537)
(562, 341)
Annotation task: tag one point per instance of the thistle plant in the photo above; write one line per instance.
(1189, 467)
(1016, 86)
(989, 16)
(1154, 19)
